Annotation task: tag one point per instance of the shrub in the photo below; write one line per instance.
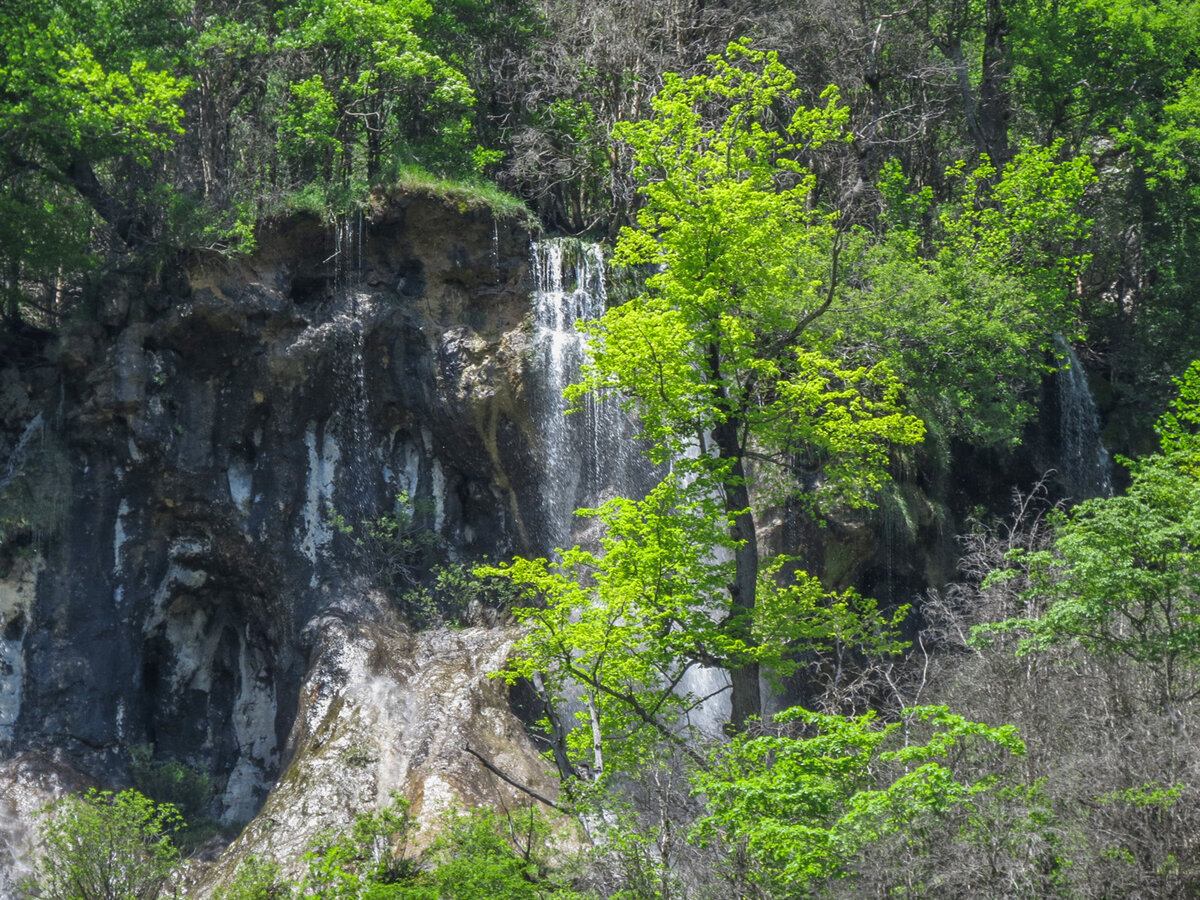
(106, 846)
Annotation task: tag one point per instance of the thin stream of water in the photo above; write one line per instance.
(1084, 461)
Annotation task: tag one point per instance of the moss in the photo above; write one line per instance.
(328, 202)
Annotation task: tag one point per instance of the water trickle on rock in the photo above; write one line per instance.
(352, 307)
(1084, 461)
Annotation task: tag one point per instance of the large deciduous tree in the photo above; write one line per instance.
(718, 355)
(87, 106)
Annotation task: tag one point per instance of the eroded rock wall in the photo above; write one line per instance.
(201, 437)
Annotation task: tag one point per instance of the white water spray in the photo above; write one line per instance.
(590, 454)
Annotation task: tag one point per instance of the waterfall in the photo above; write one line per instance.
(349, 365)
(1084, 462)
(341, 464)
(21, 452)
(349, 425)
(591, 453)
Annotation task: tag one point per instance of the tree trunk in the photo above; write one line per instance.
(745, 700)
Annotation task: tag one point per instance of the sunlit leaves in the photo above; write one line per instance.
(965, 296)
(60, 100)
(804, 803)
(106, 846)
(743, 262)
(366, 86)
(626, 624)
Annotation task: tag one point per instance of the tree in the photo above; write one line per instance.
(759, 358)
(87, 104)
(718, 354)
(106, 846)
(967, 296)
(804, 806)
(365, 90)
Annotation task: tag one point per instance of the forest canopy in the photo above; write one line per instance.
(133, 132)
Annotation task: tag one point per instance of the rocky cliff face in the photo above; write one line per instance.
(175, 472)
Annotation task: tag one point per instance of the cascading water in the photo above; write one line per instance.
(1085, 465)
(590, 453)
(349, 363)
(340, 462)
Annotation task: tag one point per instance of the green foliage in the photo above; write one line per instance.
(1179, 427)
(966, 296)
(485, 855)
(399, 549)
(1099, 67)
(81, 97)
(105, 846)
(1123, 578)
(171, 782)
(628, 623)
(480, 855)
(378, 89)
(455, 595)
(394, 547)
(745, 263)
(257, 879)
(365, 861)
(67, 103)
(804, 806)
(717, 355)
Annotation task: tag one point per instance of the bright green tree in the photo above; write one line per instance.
(105, 846)
(803, 806)
(365, 89)
(66, 110)
(87, 105)
(737, 355)
(718, 354)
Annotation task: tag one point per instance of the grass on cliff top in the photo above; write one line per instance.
(327, 201)
(469, 193)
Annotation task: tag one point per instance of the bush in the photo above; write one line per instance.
(106, 846)
(169, 781)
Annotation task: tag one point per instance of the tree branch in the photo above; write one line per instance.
(509, 780)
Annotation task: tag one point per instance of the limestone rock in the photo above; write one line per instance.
(201, 443)
(383, 710)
